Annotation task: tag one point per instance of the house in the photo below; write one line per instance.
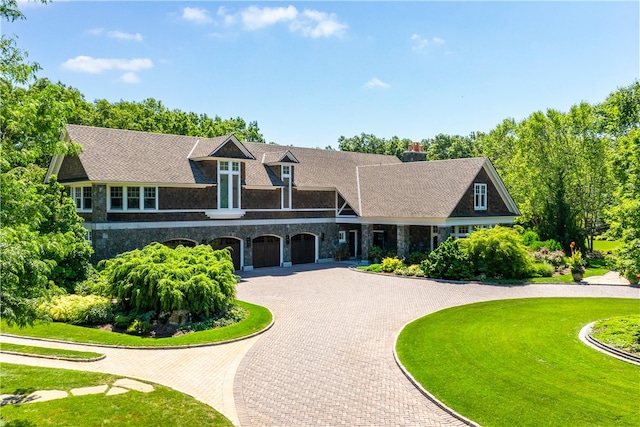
(272, 205)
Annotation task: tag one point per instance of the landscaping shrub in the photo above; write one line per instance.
(498, 252)
(412, 270)
(550, 245)
(448, 261)
(417, 257)
(94, 284)
(200, 280)
(78, 309)
(529, 237)
(141, 325)
(541, 269)
(628, 261)
(390, 265)
(234, 315)
(374, 268)
(376, 252)
(555, 258)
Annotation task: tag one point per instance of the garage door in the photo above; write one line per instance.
(232, 244)
(266, 251)
(303, 249)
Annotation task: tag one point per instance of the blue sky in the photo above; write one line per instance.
(309, 72)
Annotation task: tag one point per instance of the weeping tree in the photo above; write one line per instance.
(200, 280)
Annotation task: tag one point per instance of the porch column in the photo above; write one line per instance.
(367, 240)
(404, 241)
(99, 208)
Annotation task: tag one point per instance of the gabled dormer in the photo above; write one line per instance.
(223, 160)
(281, 164)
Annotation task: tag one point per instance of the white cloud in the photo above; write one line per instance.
(316, 24)
(376, 83)
(96, 31)
(309, 23)
(87, 64)
(255, 18)
(197, 15)
(227, 18)
(418, 42)
(125, 36)
(130, 78)
(120, 35)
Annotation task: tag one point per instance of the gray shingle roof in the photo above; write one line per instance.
(374, 185)
(416, 190)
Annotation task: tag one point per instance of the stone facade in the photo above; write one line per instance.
(108, 243)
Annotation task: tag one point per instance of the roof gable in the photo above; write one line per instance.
(429, 189)
(275, 158)
(227, 147)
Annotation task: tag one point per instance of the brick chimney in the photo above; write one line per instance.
(414, 153)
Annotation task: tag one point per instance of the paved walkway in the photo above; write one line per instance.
(328, 360)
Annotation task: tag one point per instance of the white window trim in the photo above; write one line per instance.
(480, 190)
(457, 233)
(342, 236)
(287, 189)
(73, 189)
(231, 173)
(125, 206)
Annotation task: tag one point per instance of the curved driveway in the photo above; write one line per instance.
(328, 360)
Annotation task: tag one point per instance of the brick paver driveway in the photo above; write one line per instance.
(328, 360)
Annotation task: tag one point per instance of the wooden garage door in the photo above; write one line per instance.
(266, 251)
(233, 245)
(303, 249)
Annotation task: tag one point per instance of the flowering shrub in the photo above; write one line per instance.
(555, 258)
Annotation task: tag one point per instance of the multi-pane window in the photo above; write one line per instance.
(132, 198)
(286, 189)
(480, 197)
(150, 197)
(86, 198)
(229, 188)
(81, 197)
(116, 198)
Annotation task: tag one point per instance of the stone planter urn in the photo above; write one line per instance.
(577, 275)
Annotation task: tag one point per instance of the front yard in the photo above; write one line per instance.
(520, 362)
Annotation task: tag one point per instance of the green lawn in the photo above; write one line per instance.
(49, 352)
(258, 319)
(161, 407)
(521, 363)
